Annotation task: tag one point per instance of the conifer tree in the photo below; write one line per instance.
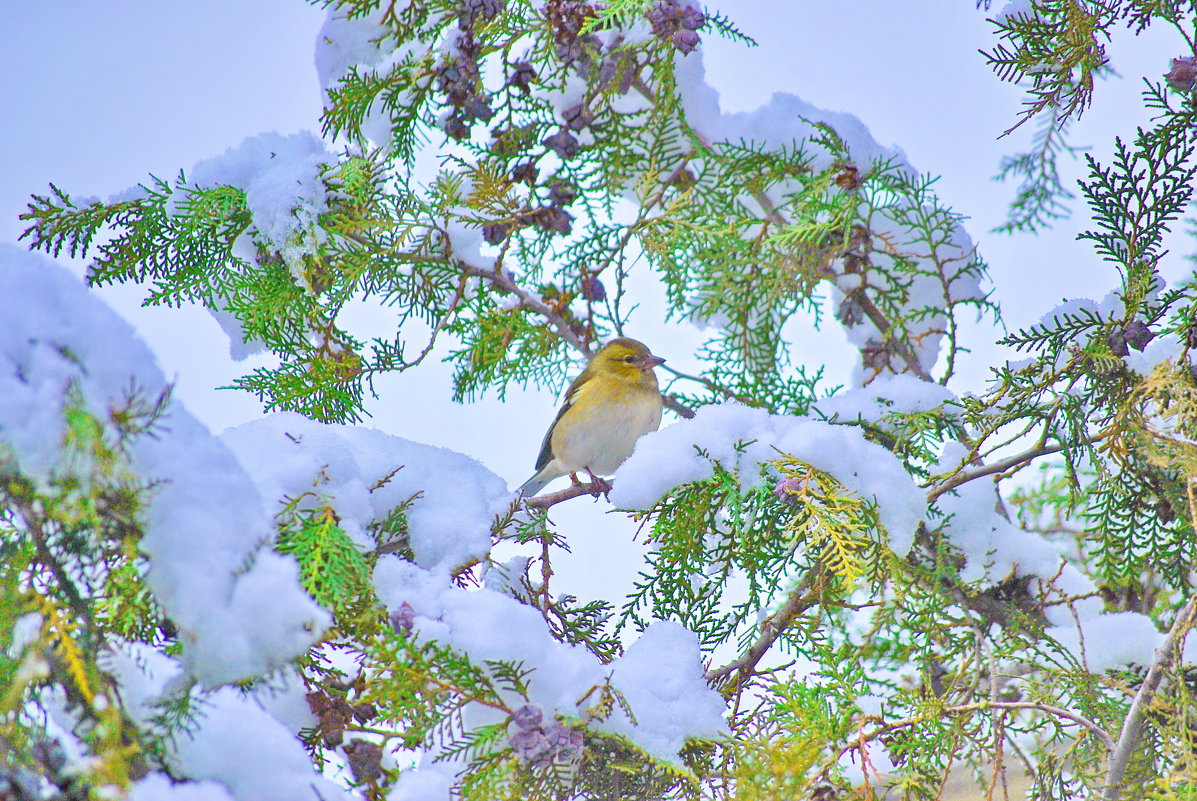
(845, 592)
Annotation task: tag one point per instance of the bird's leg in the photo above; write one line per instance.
(601, 485)
(573, 479)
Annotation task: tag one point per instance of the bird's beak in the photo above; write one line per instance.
(650, 362)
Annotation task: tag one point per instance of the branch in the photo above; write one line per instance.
(1000, 466)
(796, 603)
(673, 404)
(983, 706)
(535, 304)
(1133, 724)
(572, 491)
(531, 302)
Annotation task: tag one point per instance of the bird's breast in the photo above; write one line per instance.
(607, 435)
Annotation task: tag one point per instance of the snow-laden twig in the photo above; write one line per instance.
(1133, 725)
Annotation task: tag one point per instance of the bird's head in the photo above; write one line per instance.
(627, 359)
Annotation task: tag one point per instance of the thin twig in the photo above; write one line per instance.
(440, 325)
(986, 706)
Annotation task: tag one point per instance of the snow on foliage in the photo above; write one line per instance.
(660, 675)
(237, 604)
(669, 458)
(943, 274)
(661, 678)
(454, 499)
(280, 176)
(237, 743)
(885, 395)
(992, 546)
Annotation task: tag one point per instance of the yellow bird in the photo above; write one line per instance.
(613, 403)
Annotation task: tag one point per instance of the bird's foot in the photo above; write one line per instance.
(601, 485)
(573, 479)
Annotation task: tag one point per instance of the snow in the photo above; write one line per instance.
(1108, 308)
(159, 787)
(1098, 640)
(234, 741)
(1015, 8)
(660, 674)
(467, 242)
(668, 458)
(1164, 348)
(785, 119)
(239, 607)
(885, 395)
(923, 282)
(455, 498)
(280, 176)
(993, 547)
(240, 348)
(1110, 641)
(344, 43)
(431, 781)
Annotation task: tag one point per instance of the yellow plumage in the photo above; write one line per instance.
(613, 403)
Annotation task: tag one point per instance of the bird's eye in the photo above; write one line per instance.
(629, 359)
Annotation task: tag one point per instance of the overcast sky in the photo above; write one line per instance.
(96, 96)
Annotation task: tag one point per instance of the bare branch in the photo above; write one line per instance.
(797, 602)
(572, 491)
(1133, 724)
(1001, 466)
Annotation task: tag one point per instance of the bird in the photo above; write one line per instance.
(613, 403)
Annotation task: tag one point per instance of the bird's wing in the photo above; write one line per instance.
(546, 447)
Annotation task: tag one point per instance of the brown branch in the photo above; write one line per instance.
(529, 301)
(1133, 724)
(572, 491)
(797, 602)
(1001, 466)
(673, 404)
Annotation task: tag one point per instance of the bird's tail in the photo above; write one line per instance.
(535, 484)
